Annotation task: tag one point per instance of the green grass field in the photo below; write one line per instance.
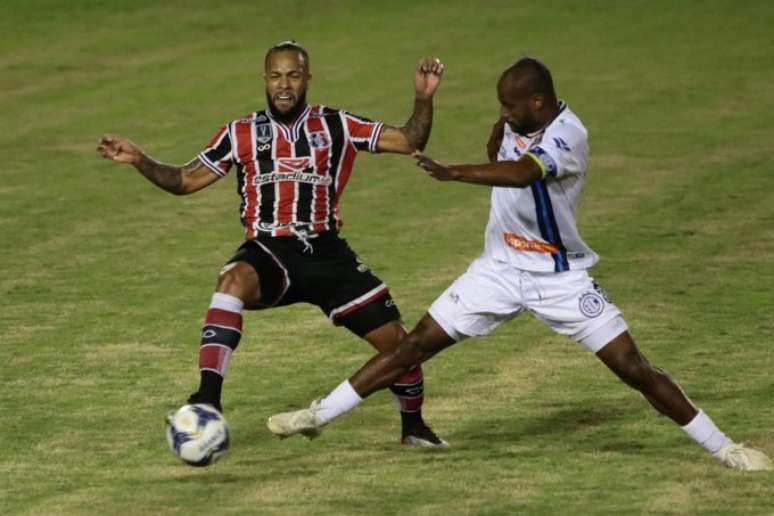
(105, 279)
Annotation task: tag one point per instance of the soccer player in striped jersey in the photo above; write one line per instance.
(293, 161)
(534, 260)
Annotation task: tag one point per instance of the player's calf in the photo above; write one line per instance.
(220, 337)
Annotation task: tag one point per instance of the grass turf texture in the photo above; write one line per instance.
(106, 279)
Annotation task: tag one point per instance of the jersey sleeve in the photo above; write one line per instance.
(217, 155)
(562, 151)
(363, 133)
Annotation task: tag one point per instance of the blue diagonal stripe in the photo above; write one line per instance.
(549, 229)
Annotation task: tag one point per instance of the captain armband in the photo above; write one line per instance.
(546, 163)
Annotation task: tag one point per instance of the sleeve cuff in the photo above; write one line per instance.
(375, 138)
(212, 166)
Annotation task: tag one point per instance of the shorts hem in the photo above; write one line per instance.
(446, 325)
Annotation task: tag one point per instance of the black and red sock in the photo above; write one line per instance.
(220, 337)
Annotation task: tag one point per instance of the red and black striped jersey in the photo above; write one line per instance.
(294, 176)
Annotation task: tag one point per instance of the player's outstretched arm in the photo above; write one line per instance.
(516, 174)
(416, 131)
(179, 180)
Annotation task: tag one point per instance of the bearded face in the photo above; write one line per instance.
(287, 80)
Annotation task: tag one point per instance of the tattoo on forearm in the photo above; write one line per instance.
(417, 128)
(166, 177)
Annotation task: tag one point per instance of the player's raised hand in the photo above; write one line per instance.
(119, 149)
(432, 167)
(495, 139)
(428, 77)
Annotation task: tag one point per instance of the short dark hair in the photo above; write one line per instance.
(531, 76)
(289, 44)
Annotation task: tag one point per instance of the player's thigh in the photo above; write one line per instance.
(352, 296)
(387, 336)
(255, 274)
(479, 301)
(574, 305)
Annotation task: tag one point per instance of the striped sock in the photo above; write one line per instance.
(410, 391)
(220, 337)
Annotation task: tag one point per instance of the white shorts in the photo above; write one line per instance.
(491, 293)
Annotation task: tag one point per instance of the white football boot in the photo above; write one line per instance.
(738, 456)
(304, 422)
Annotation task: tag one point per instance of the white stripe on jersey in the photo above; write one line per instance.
(254, 148)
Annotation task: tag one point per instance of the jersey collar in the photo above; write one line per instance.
(293, 132)
(562, 107)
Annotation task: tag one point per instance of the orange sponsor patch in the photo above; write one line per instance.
(529, 246)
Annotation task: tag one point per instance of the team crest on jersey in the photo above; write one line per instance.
(319, 140)
(263, 133)
(591, 304)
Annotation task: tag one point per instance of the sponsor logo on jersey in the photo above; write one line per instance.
(529, 246)
(299, 176)
(591, 304)
(454, 297)
(293, 169)
(293, 164)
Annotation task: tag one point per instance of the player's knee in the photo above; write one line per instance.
(410, 352)
(239, 280)
(635, 371)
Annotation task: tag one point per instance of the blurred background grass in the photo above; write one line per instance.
(105, 278)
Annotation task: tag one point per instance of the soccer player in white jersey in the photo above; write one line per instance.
(534, 260)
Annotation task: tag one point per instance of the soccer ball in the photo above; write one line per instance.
(197, 434)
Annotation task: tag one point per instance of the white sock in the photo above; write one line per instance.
(340, 401)
(226, 302)
(702, 430)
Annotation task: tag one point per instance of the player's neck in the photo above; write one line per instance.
(549, 116)
(289, 118)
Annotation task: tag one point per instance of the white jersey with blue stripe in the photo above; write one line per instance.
(533, 228)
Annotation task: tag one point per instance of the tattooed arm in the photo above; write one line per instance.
(179, 180)
(415, 133)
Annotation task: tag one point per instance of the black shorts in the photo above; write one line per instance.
(326, 273)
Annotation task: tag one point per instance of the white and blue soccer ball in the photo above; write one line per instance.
(197, 434)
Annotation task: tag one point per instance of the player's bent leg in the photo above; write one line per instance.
(409, 391)
(237, 286)
(624, 359)
(380, 372)
(384, 369)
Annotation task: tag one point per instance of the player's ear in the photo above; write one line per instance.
(537, 102)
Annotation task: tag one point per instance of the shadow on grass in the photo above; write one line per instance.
(581, 424)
